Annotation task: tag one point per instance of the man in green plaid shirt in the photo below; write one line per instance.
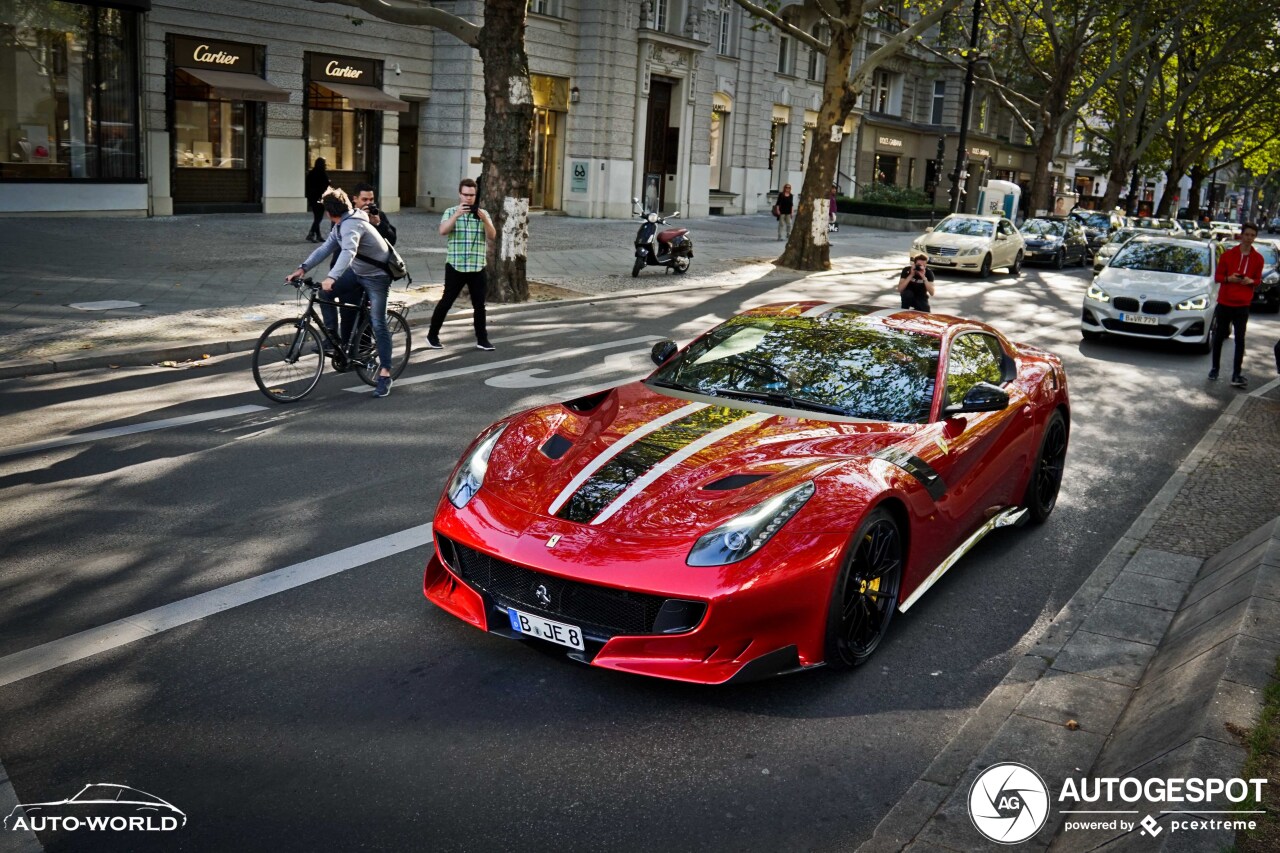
(467, 228)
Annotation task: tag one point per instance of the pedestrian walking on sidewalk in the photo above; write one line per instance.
(782, 209)
(355, 239)
(916, 284)
(316, 185)
(1239, 271)
(467, 227)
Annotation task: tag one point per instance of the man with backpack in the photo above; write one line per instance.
(361, 250)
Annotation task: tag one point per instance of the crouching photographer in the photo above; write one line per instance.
(916, 284)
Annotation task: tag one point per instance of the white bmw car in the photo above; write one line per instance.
(1154, 287)
(968, 241)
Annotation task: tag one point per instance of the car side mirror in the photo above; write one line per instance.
(982, 397)
(929, 230)
(662, 352)
(635, 201)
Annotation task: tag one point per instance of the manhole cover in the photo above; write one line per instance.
(104, 305)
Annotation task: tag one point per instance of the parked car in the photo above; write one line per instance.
(1113, 244)
(973, 242)
(1098, 226)
(1055, 240)
(1266, 296)
(1192, 228)
(1155, 287)
(1159, 223)
(1273, 227)
(763, 503)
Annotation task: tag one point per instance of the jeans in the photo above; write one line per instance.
(346, 289)
(454, 281)
(317, 211)
(784, 226)
(378, 288)
(1226, 320)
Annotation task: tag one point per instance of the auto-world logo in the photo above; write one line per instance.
(1008, 803)
(97, 808)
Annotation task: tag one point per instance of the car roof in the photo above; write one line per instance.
(1148, 237)
(989, 217)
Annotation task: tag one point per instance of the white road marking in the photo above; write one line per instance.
(534, 377)
(114, 432)
(56, 653)
(617, 447)
(639, 485)
(551, 356)
(17, 841)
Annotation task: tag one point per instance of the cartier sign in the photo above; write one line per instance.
(206, 53)
(344, 69)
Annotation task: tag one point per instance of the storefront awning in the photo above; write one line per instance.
(231, 86)
(365, 97)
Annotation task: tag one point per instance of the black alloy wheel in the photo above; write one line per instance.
(866, 592)
(1060, 259)
(1046, 477)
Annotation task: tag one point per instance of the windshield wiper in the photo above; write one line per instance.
(776, 399)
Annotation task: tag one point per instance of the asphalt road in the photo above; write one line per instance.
(347, 713)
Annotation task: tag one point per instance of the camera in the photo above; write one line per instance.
(372, 210)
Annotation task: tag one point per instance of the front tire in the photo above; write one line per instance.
(636, 267)
(866, 592)
(1060, 259)
(985, 271)
(288, 361)
(1046, 477)
(1015, 268)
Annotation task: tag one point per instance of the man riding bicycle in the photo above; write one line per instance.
(360, 249)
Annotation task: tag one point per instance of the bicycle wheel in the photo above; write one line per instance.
(288, 360)
(367, 351)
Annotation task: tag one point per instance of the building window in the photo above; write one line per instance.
(545, 7)
(337, 132)
(68, 92)
(784, 55)
(724, 33)
(890, 16)
(885, 93)
(660, 15)
(818, 59)
(939, 100)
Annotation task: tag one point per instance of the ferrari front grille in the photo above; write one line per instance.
(601, 610)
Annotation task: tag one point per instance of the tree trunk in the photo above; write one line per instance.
(1117, 178)
(1041, 180)
(808, 247)
(1193, 194)
(1171, 178)
(507, 156)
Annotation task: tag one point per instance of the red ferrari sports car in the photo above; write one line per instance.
(763, 502)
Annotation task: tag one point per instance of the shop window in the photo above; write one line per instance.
(68, 92)
(206, 134)
(337, 132)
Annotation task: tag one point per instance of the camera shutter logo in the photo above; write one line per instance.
(1008, 803)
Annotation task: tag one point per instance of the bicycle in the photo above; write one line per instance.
(289, 357)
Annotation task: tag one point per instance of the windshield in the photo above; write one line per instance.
(1163, 257)
(967, 227)
(1121, 236)
(1043, 227)
(1096, 220)
(836, 364)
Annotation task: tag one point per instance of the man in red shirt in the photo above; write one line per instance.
(1239, 271)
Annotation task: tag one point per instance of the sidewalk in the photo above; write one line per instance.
(210, 284)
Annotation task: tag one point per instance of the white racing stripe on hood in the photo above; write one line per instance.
(819, 310)
(617, 447)
(641, 483)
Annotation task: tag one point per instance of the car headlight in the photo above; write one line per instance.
(743, 535)
(976, 250)
(916, 248)
(1195, 303)
(1272, 277)
(1097, 294)
(470, 476)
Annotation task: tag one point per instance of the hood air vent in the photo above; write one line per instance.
(734, 481)
(587, 403)
(556, 446)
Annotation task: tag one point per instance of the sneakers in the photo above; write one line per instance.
(1213, 374)
(383, 388)
(484, 345)
(1239, 381)
(434, 343)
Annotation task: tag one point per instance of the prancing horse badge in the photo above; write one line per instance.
(551, 543)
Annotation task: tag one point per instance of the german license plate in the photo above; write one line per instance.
(545, 629)
(946, 262)
(1140, 319)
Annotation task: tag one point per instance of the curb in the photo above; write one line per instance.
(141, 356)
(908, 823)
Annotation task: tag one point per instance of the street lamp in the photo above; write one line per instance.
(962, 153)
